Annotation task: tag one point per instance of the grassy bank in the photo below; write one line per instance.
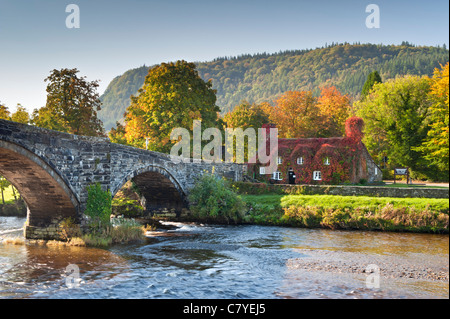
(216, 200)
(349, 212)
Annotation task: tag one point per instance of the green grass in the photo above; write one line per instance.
(9, 196)
(400, 185)
(350, 212)
(342, 202)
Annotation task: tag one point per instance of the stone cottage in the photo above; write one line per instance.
(334, 160)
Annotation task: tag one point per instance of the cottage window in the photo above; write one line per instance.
(262, 170)
(326, 161)
(300, 160)
(277, 176)
(279, 160)
(317, 175)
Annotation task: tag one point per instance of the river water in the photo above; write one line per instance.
(209, 261)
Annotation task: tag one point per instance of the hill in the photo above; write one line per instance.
(262, 77)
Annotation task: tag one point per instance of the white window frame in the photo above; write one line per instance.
(300, 160)
(326, 161)
(317, 175)
(277, 176)
(279, 160)
(262, 170)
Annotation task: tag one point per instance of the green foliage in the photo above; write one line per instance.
(246, 115)
(98, 206)
(4, 184)
(213, 199)
(72, 105)
(435, 147)
(372, 79)
(395, 115)
(127, 207)
(262, 77)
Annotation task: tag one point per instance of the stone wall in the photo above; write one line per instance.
(343, 190)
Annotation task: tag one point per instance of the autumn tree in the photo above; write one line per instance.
(334, 109)
(296, 115)
(72, 104)
(117, 134)
(173, 95)
(435, 147)
(4, 113)
(20, 115)
(246, 115)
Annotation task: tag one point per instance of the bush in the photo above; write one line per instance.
(98, 206)
(214, 199)
(69, 229)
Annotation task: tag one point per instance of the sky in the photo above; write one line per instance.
(115, 36)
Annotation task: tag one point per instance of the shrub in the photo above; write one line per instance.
(98, 206)
(69, 229)
(214, 199)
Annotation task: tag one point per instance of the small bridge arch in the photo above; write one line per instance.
(159, 189)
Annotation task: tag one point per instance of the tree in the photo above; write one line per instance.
(373, 78)
(72, 104)
(21, 115)
(4, 184)
(296, 115)
(335, 109)
(173, 95)
(394, 114)
(246, 115)
(117, 134)
(435, 148)
(4, 113)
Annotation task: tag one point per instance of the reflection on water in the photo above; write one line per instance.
(194, 261)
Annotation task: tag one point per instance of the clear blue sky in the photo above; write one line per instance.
(115, 36)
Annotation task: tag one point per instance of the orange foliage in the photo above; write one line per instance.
(335, 109)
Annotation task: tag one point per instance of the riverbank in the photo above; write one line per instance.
(301, 206)
(350, 212)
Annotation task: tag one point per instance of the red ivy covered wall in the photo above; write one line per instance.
(345, 158)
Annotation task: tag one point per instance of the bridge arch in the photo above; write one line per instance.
(159, 189)
(46, 193)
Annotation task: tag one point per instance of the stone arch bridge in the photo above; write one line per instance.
(51, 170)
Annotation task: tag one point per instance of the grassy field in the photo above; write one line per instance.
(350, 212)
(350, 202)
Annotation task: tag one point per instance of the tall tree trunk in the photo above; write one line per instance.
(14, 192)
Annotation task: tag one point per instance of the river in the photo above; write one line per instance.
(210, 261)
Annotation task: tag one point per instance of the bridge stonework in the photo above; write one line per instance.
(52, 170)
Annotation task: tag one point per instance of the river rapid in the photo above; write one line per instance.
(210, 261)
